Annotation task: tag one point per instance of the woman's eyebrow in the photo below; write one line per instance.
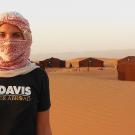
(16, 33)
(11, 32)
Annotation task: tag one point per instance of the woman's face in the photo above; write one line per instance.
(8, 31)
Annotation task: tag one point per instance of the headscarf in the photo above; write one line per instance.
(15, 53)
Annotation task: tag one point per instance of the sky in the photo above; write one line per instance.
(77, 25)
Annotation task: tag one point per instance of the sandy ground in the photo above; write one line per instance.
(91, 103)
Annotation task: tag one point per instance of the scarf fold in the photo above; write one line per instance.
(13, 54)
(19, 71)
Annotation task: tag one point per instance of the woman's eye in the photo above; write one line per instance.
(17, 35)
(2, 34)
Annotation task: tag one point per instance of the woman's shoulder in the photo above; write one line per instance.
(38, 72)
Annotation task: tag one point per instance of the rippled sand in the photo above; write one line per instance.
(91, 103)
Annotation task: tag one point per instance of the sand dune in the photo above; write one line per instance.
(91, 103)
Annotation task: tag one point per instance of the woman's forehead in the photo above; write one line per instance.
(9, 28)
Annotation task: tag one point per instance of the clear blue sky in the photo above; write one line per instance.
(75, 25)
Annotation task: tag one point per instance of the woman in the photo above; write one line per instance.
(24, 87)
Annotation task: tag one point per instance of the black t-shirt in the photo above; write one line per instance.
(21, 97)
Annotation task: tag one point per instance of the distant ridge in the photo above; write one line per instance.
(98, 54)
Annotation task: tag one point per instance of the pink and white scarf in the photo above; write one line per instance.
(14, 54)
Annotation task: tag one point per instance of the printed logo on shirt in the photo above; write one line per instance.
(20, 93)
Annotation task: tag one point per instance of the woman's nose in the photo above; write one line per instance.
(8, 36)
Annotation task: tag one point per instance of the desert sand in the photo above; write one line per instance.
(91, 103)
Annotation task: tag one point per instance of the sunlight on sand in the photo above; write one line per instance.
(91, 103)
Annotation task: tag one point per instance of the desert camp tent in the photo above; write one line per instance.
(84, 62)
(126, 68)
(52, 62)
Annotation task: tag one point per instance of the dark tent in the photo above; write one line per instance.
(91, 62)
(126, 68)
(52, 62)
